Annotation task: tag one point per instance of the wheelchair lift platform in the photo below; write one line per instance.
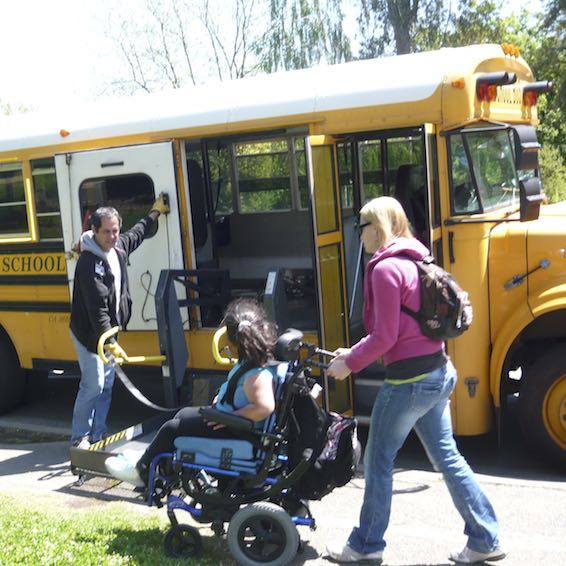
(91, 461)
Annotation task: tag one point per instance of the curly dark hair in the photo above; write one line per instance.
(249, 329)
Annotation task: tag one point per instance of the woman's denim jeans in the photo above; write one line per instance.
(424, 406)
(93, 399)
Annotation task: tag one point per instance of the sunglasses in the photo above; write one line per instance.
(360, 227)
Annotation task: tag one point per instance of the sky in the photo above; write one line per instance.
(55, 53)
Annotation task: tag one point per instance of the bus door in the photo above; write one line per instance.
(401, 163)
(329, 247)
(129, 179)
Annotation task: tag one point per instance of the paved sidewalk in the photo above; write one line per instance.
(424, 525)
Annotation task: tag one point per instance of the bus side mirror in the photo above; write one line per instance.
(531, 195)
(526, 147)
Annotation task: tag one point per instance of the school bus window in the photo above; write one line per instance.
(220, 178)
(263, 174)
(46, 199)
(345, 170)
(483, 174)
(371, 170)
(300, 161)
(404, 151)
(464, 198)
(494, 168)
(197, 195)
(131, 195)
(13, 210)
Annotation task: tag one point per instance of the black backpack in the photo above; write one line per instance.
(330, 442)
(446, 311)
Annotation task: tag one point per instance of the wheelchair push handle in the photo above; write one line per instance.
(102, 348)
(314, 351)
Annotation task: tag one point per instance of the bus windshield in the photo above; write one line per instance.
(484, 177)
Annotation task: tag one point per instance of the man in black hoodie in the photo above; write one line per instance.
(101, 301)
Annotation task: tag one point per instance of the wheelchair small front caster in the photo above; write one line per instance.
(182, 541)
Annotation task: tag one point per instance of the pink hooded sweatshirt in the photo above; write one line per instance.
(390, 282)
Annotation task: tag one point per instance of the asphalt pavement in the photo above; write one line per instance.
(530, 498)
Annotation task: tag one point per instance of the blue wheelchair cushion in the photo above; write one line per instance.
(224, 453)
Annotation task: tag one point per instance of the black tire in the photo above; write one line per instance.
(12, 376)
(182, 541)
(542, 405)
(262, 534)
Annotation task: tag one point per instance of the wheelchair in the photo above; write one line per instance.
(243, 487)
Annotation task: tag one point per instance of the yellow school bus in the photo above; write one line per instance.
(265, 178)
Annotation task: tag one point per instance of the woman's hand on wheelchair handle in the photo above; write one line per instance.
(338, 369)
(341, 353)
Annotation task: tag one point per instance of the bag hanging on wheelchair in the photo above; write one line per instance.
(334, 443)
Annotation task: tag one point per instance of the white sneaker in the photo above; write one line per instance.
(345, 553)
(469, 556)
(124, 469)
(84, 444)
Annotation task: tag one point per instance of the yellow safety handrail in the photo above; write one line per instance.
(218, 357)
(126, 359)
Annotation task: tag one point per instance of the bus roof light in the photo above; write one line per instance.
(486, 84)
(510, 49)
(64, 133)
(532, 91)
(459, 83)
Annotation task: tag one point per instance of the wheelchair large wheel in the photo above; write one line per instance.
(182, 541)
(263, 534)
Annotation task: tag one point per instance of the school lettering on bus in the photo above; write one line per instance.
(32, 264)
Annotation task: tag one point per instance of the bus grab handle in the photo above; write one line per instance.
(127, 359)
(218, 357)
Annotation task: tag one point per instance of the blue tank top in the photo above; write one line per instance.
(240, 397)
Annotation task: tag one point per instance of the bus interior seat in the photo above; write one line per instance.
(410, 192)
(275, 298)
(209, 289)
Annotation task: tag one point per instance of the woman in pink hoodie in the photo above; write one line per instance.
(419, 379)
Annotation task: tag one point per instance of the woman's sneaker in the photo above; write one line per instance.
(124, 469)
(344, 553)
(469, 556)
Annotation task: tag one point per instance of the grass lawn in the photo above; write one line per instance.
(40, 532)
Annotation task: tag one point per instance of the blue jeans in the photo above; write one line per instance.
(93, 399)
(424, 406)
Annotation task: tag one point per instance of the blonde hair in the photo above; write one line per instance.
(388, 217)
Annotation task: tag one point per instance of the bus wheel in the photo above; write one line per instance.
(12, 376)
(542, 405)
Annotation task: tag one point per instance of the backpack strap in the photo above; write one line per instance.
(233, 382)
(427, 259)
(235, 377)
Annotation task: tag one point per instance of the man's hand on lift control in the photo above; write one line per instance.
(160, 205)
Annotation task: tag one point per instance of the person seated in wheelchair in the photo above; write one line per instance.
(247, 392)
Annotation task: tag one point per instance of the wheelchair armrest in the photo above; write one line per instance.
(227, 419)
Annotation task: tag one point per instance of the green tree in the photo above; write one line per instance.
(7, 108)
(408, 26)
(178, 42)
(302, 33)
(553, 169)
(387, 26)
(549, 63)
